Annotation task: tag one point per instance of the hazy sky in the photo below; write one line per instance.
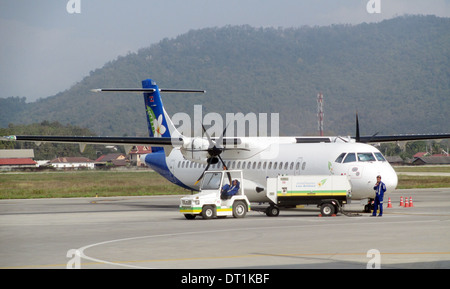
(44, 49)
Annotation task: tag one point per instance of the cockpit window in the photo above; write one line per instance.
(340, 158)
(366, 157)
(350, 158)
(380, 157)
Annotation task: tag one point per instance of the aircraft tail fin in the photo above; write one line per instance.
(158, 121)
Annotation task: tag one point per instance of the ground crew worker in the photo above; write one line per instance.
(379, 188)
(223, 193)
(233, 189)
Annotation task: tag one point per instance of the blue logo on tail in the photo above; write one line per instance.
(156, 121)
(157, 124)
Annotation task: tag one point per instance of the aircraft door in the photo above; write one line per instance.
(172, 166)
(298, 166)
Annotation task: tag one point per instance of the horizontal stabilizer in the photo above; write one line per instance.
(146, 90)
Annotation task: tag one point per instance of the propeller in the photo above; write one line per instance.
(215, 148)
(357, 137)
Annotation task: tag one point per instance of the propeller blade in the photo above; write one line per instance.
(207, 166)
(358, 138)
(211, 143)
(214, 150)
(225, 166)
(220, 141)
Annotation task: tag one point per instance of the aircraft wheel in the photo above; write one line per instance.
(272, 211)
(327, 210)
(239, 209)
(208, 212)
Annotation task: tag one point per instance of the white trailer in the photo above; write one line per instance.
(212, 200)
(328, 192)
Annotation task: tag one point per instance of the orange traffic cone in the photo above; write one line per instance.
(406, 203)
(401, 201)
(411, 202)
(389, 203)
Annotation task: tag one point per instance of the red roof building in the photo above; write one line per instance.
(136, 153)
(420, 154)
(116, 159)
(17, 162)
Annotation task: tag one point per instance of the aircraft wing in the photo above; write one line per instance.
(375, 138)
(407, 137)
(154, 141)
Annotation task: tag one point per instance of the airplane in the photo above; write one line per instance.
(183, 160)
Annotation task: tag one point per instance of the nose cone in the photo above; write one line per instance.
(362, 186)
(388, 176)
(390, 179)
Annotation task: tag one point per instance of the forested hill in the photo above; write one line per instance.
(395, 73)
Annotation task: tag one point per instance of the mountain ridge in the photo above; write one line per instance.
(395, 73)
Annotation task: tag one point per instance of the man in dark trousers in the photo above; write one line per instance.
(379, 188)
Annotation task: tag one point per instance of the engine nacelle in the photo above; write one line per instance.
(196, 150)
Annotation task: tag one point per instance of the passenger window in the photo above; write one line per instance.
(380, 157)
(350, 158)
(366, 157)
(340, 158)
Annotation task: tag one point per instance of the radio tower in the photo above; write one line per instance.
(320, 112)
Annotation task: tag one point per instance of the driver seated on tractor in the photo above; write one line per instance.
(229, 191)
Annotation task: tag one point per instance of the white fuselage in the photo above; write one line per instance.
(282, 156)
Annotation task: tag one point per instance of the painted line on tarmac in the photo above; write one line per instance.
(123, 263)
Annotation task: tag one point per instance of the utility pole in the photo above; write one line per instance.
(320, 112)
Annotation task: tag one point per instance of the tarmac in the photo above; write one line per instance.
(150, 232)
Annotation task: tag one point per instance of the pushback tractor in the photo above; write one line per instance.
(221, 195)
